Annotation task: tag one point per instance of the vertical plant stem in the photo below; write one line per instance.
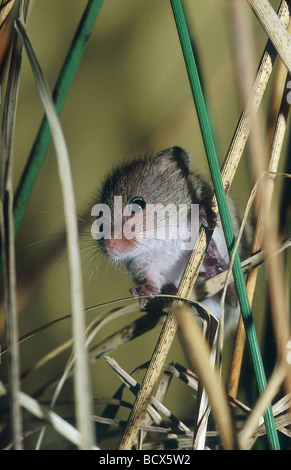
(250, 110)
(202, 361)
(275, 269)
(7, 233)
(241, 18)
(81, 375)
(236, 148)
(263, 214)
(63, 84)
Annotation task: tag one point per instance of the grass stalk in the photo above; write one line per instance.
(81, 376)
(53, 419)
(7, 232)
(251, 108)
(5, 10)
(274, 29)
(244, 39)
(199, 355)
(133, 386)
(265, 398)
(264, 211)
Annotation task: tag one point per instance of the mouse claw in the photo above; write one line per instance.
(144, 290)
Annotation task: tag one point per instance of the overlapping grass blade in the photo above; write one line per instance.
(7, 231)
(82, 381)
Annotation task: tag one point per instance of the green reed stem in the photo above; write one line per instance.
(62, 87)
(224, 212)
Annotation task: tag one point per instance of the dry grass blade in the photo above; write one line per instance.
(27, 336)
(160, 395)
(183, 374)
(215, 284)
(121, 424)
(5, 10)
(58, 423)
(201, 420)
(273, 27)
(91, 332)
(154, 402)
(258, 167)
(264, 225)
(229, 270)
(199, 356)
(278, 297)
(267, 224)
(251, 108)
(106, 346)
(7, 232)
(253, 420)
(8, 12)
(245, 61)
(203, 407)
(82, 387)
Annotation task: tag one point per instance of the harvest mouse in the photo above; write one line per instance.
(140, 223)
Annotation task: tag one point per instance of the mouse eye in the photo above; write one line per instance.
(139, 203)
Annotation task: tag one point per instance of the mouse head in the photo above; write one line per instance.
(133, 189)
(155, 178)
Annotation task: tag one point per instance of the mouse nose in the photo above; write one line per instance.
(119, 247)
(110, 246)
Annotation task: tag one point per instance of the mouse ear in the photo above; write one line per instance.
(180, 156)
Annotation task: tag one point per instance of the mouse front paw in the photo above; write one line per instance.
(143, 291)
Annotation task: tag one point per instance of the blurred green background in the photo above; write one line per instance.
(130, 93)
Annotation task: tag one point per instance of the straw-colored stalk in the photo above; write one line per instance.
(57, 422)
(5, 10)
(199, 355)
(258, 164)
(264, 226)
(82, 387)
(154, 402)
(7, 231)
(274, 28)
(265, 398)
